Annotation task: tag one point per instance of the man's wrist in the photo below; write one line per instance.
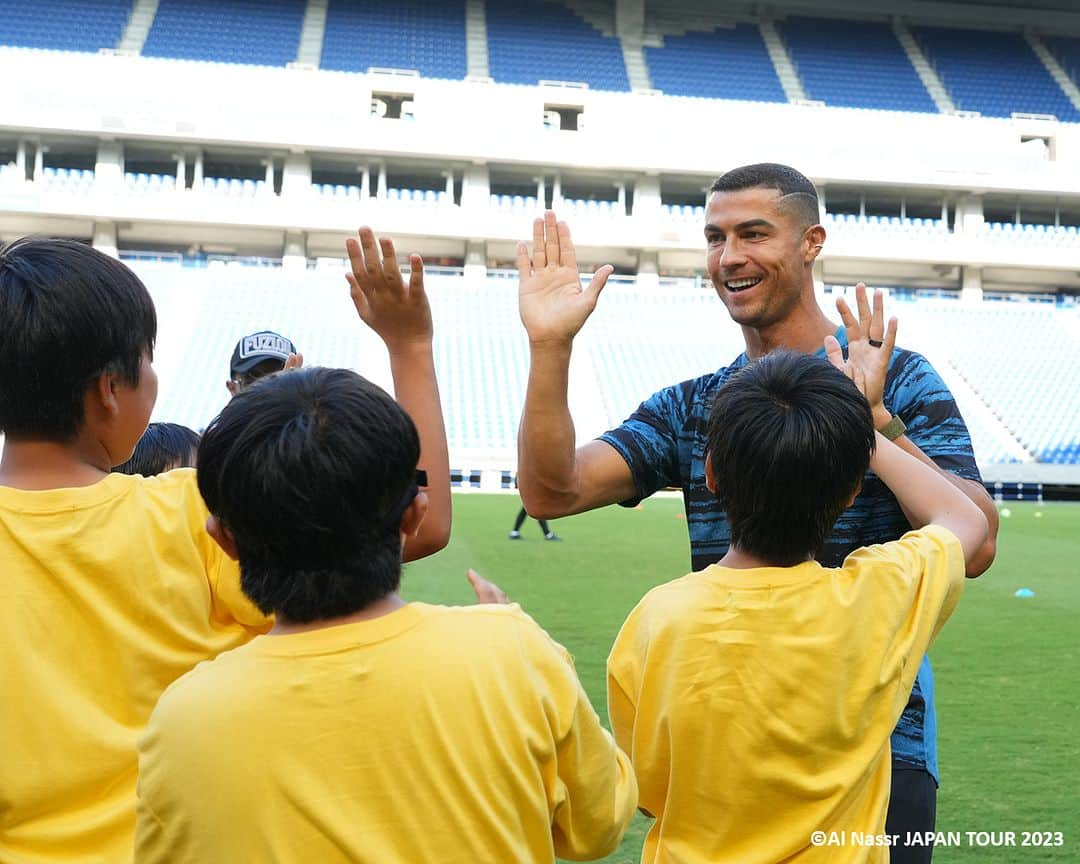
(410, 348)
(892, 429)
(882, 416)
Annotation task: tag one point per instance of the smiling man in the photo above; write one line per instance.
(763, 234)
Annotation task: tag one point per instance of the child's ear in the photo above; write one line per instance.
(223, 537)
(414, 514)
(854, 495)
(103, 392)
(710, 478)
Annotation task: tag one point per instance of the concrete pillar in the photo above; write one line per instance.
(39, 162)
(476, 187)
(20, 158)
(365, 183)
(181, 171)
(647, 196)
(969, 215)
(296, 175)
(541, 191)
(197, 182)
(648, 269)
(971, 290)
(381, 189)
(105, 239)
(269, 174)
(630, 20)
(294, 255)
(475, 260)
(109, 167)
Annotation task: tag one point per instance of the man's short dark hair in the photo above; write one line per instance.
(162, 447)
(311, 471)
(796, 191)
(790, 439)
(68, 313)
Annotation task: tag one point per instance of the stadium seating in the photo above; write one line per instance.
(728, 63)
(683, 213)
(425, 35)
(857, 64)
(526, 205)
(1066, 49)
(227, 31)
(140, 183)
(63, 25)
(994, 73)
(1031, 235)
(850, 223)
(569, 48)
(67, 179)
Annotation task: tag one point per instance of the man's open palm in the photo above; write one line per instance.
(552, 302)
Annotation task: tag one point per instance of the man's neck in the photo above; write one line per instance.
(40, 465)
(384, 606)
(804, 330)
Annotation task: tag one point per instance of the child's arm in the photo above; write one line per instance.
(925, 496)
(400, 314)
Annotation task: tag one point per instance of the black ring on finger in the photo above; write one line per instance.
(875, 343)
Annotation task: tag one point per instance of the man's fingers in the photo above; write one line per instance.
(356, 256)
(834, 352)
(566, 245)
(359, 298)
(539, 261)
(551, 239)
(524, 265)
(599, 280)
(850, 324)
(877, 319)
(294, 361)
(859, 378)
(889, 342)
(865, 316)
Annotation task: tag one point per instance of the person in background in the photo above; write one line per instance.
(258, 355)
(515, 532)
(163, 447)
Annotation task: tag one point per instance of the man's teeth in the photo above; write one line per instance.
(738, 284)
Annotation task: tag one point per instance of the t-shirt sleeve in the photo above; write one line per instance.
(592, 793)
(934, 424)
(229, 603)
(648, 441)
(921, 574)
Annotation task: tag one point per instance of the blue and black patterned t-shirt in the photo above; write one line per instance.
(664, 444)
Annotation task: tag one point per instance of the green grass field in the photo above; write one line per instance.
(1006, 669)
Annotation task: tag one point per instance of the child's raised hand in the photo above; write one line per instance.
(486, 592)
(398, 311)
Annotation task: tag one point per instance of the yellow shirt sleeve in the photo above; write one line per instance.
(591, 790)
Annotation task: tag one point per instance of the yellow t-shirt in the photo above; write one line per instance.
(449, 734)
(108, 594)
(757, 705)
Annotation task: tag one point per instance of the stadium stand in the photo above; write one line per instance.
(424, 35)
(1032, 235)
(63, 25)
(852, 224)
(227, 31)
(149, 184)
(1066, 49)
(728, 63)
(856, 64)
(570, 50)
(994, 73)
(67, 179)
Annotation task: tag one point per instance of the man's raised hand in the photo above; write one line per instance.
(552, 302)
(870, 345)
(398, 311)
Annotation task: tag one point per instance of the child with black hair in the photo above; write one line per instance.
(163, 447)
(757, 696)
(363, 728)
(111, 586)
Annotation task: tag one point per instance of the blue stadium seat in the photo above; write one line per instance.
(1066, 49)
(425, 35)
(64, 25)
(728, 63)
(994, 73)
(227, 31)
(856, 64)
(547, 41)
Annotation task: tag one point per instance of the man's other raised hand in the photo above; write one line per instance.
(552, 302)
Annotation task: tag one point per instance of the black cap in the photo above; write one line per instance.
(258, 347)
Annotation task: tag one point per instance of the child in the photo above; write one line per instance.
(112, 589)
(163, 447)
(363, 728)
(757, 697)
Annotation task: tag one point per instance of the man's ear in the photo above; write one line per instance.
(414, 514)
(230, 385)
(815, 240)
(223, 537)
(710, 477)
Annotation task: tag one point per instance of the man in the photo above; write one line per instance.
(258, 355)
(763, 235)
